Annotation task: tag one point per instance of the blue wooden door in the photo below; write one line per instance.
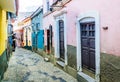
(33, 39)
(40, 39)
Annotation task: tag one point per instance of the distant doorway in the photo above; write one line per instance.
(60, 37)
(61, 40)
(48, 40)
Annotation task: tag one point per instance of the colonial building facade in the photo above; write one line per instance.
(37, 29)
(25, 25)
(19, 37)
(8, 9)
(81, 38)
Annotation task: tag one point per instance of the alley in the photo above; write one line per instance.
(27, 66)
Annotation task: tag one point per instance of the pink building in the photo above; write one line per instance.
(83, 37)
(19, 37)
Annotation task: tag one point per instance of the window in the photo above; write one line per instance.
(48, 5)
(37, 26)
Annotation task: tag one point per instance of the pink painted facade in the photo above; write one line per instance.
(106, 16)
(19, 36)
(109, 16)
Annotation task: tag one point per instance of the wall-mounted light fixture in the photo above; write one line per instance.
(105, 27)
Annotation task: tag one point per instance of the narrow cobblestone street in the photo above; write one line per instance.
(27, 66)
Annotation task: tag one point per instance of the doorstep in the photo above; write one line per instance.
(86, 77)
(61, 63)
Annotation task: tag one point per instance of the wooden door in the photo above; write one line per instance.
(61, 39)
(48, 40)
(88, 45)
(40, 39)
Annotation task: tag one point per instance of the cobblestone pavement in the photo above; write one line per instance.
(27, 66)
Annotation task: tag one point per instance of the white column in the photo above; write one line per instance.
(79, 61)
(65, 38)
(56, 39)
(97, 45)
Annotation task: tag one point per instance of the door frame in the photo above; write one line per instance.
(57, 17)
(85, 17)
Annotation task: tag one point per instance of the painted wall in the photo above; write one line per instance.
(109, 38)
(109, 16)
(37, 19)
(19, 34)
(5, 48)
(26, 28)
(49, 20)
(37, 26)
(3, 31)
(3, 42)
(27, 32)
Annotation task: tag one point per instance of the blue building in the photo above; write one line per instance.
(37, 29)
(10, 34)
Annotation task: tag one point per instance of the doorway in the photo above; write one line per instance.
(61, 40)
(88, 45)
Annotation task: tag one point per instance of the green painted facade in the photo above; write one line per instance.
(3, 64)
(71, 52)
(109, 65)
(110, 68)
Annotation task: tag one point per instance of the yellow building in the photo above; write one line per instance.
(5, 7)
(26, 25)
